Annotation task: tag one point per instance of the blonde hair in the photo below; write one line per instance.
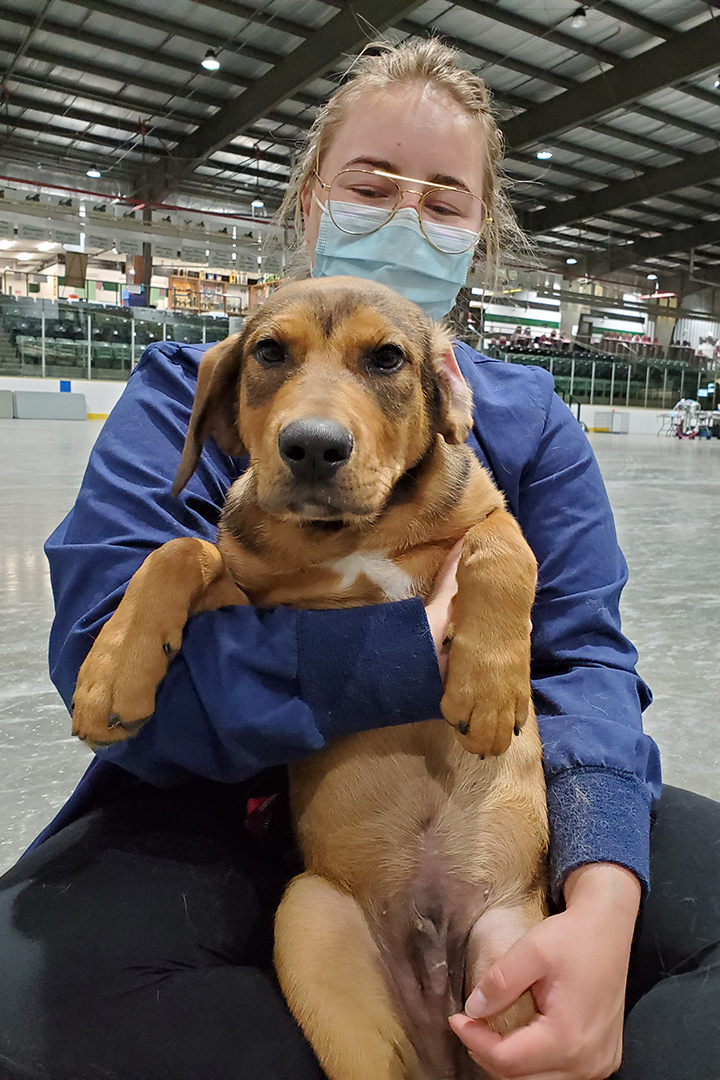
(383, 64)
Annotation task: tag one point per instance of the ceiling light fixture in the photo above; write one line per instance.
(211, 62)
(5, 244)
(579, 19)
(94, 172)
(47, 245)
(717, 79)
(24, 255)
(571, 262)
(544, 155)
(652, 277)
(257, 204)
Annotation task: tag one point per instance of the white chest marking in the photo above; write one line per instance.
(394, 582)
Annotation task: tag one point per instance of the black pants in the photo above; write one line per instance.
(136, 945)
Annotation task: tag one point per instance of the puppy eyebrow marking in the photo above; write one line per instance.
(330, 315)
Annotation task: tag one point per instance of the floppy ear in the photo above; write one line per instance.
(455, 395)
(214, 409)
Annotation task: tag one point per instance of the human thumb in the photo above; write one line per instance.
(508, 978)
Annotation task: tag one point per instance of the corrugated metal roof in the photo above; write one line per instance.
(122, 82)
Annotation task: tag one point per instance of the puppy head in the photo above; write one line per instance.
(336, 387)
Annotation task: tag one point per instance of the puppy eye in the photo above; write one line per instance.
(387, 358)
(269, 351)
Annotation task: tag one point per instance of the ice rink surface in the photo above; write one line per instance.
(666, 497)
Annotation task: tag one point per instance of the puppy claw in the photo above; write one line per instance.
(131, 726)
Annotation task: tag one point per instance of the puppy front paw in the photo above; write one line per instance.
(115, 692)
(486, 702)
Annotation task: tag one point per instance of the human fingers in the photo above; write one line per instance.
(438, 607)
(515, 972)
(530, 1053)
(446, 580)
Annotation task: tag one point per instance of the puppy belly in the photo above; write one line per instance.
(422, 935)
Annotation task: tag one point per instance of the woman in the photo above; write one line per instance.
(136, 933)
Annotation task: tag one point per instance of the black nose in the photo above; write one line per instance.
(314, 449)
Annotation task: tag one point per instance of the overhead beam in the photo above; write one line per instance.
(75, 135)
(583, 48)
(536, 29)
(633, 18)
(155, 130)
(680, 122)
(699, 92)
(134, 79)
(684, 55)
(343, 33)
(115, 44)
(73, 90)
(639, 140)
(655, 182)
(517, 101)
(243, 11)
(14, 150)
(708, 232)
(490, 56)
(243, 164)
(87, 116)
(173, 28)
(599, 55)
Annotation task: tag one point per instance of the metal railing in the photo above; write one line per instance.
(80, 340)
(591, 377)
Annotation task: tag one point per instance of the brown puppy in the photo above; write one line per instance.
(424, 862)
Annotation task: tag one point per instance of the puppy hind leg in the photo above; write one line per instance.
(328, 966)
(494, 933)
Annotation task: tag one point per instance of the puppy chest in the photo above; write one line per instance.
(394, 582)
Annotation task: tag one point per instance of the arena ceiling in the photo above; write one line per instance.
(625, 96)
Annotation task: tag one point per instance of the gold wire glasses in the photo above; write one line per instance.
(361, 201)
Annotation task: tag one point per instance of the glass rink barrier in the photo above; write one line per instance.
(590, 377)
(78, 340)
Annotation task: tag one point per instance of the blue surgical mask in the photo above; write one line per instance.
(397, 255)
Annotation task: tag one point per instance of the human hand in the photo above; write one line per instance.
(576, 964)
(438, 607)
